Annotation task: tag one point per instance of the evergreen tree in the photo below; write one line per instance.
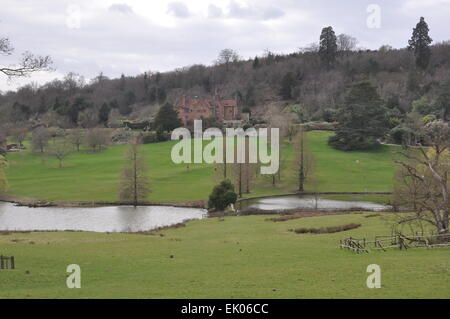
(256, 63)
(328, 47)
(286, 86)
(122, 82)
(162, 95)
(103, 114)
(57, 105)
(361, 120)
(167, 118)
(420, 44)
(114, 104)
(443, 101)
(222, 196)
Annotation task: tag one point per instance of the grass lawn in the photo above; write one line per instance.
(94, 176)
(240, 257)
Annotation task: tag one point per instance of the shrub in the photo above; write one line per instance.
(222, 196)
(400, 134)
(155, 137)
(326, 230)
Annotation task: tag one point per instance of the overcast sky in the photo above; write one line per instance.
(134, 36)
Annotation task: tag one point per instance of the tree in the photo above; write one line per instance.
(103, 114)
(134, 184)
(422, 180)
(328, 47)
(420, 44)
(346, 42)
(226, 57)
(443, 101)
(76, 137)
(96, 138)
(361, 120)
(40, 138)
(167, 118)
(3, 180)
(19, 135)
(222, 196)
(303, 159)
(29, 63)
(255, 63)
(287, 83)
(59, 150)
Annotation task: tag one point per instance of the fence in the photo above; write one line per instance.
(7, 262)
(398, 241)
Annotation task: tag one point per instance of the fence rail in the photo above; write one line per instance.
(383, 243)
(7, 262)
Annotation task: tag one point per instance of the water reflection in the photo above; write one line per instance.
(293, 202)
(98, 219)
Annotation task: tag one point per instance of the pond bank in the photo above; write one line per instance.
(34, 202)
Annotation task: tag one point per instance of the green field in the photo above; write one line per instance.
(240, 257)
(94, 176)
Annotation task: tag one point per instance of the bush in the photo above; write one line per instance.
(155, 137)
(400, 134)
(326, 230)
(222, 196)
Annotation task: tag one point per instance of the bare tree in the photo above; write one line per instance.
(76, 138)
(422, 181)
(40, 138)
(303, 158)
(59, 150)
(346, 42)
(19, 135)
(226, 57)
(3, 180)
(96, 138)
(134, 185)
(28, 64)
(238, 171)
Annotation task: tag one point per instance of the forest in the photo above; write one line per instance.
(311, 84)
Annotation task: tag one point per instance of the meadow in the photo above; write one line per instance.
(238, 257)
(87, 176)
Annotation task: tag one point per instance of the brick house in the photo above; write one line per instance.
(196, 108)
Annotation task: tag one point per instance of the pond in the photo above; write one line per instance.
(97, 219)
(299, 202)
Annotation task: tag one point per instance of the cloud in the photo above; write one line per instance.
(178, 10)
(257, 12)
(417, 4)
(156, 37)
(214, 12)
(121, 7)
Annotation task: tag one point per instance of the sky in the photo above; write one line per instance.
(135, 36)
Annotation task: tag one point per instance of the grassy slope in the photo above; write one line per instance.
(88, 176)
(208, 263)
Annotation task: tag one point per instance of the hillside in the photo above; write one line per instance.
(262, 85)
(89, 176)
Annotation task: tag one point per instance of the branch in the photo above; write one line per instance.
(29, 64)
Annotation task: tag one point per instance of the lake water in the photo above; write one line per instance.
(294, 202)
(98, 219)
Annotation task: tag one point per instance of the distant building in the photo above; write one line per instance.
(196, 108)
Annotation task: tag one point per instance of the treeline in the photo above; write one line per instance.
(317, 79)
